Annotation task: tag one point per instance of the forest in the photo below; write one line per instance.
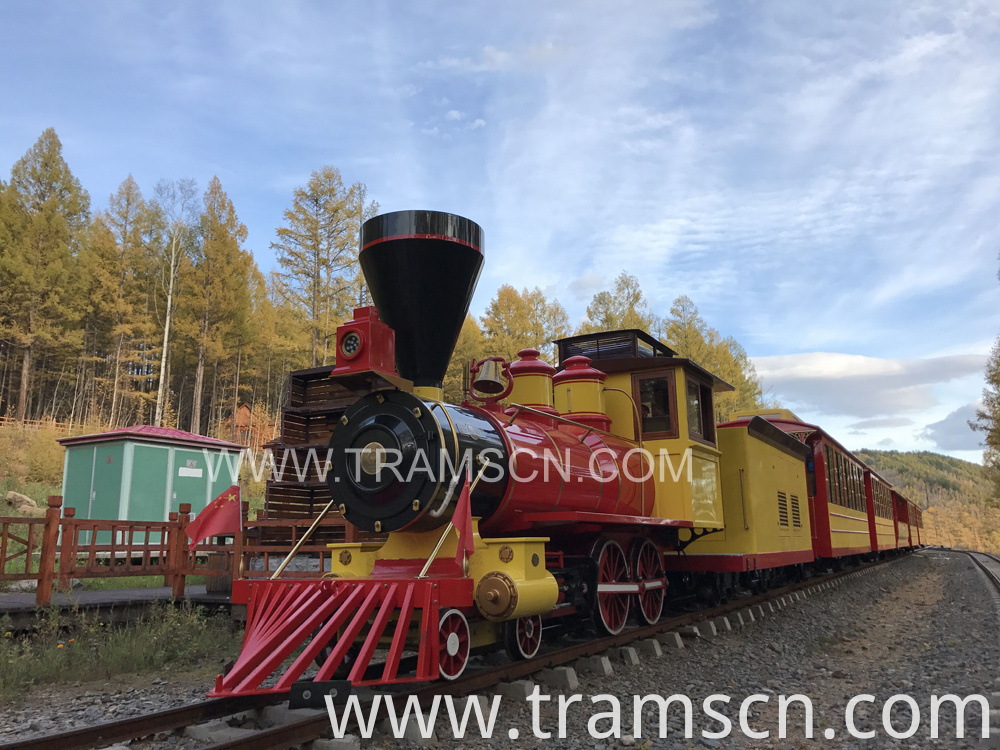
(962, 505)
(151, 309)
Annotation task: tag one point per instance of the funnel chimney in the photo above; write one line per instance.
(422, 268)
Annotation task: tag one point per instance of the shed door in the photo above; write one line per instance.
(148, 498)
(79, 479)
(190, 480)
(107, 491)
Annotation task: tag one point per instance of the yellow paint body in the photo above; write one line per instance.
(585, 396)
(848, 527)
(537, 590)
(885, 534)
(533, 390)
(619, 406)
(765, 500)
(429, 392)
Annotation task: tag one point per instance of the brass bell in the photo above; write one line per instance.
(488, 378)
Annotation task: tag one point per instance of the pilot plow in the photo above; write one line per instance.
(343, 623)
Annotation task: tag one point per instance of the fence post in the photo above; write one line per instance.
(240, 539)
(47, 563)
(170, 553)
(67, 549)
(181, 550)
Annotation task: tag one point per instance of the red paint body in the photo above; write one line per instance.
(378, 344)
(873, 481)
(556, 468)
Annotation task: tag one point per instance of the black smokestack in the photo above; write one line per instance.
(422, 268)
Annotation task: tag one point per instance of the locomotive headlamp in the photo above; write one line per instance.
(350, 345)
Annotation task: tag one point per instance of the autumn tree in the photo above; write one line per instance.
(520, 320)
(123, 277)
(689, 334)
(317, 251)
(216, 290)
(471, 345)
(988, 418)
(44, 214)
(622, 307)
(172, 212)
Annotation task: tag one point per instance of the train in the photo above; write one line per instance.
(591, 493)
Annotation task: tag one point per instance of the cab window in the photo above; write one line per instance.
(655, 398)
(701, 421)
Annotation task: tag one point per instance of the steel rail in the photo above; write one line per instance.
(135, 727)
(306, 730)
(991, 574)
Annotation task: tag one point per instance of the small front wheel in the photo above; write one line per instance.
(522, 638)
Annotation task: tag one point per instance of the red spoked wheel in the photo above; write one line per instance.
(647, 562)
(522, 638)
(614, 587)
(454, 642)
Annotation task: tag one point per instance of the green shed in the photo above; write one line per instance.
(144, 473)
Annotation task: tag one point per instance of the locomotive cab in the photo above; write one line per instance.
(665, 404)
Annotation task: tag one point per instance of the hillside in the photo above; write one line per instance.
(962, 509)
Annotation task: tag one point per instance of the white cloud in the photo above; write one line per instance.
(868, 387)
(454, 114)
(953, 433)
(477, 123)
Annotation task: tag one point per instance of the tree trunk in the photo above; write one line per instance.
(22, 401)
(117, 377)
(161, 392)
(199, 381)
(236, 395)
(213, 417)
(4, 383)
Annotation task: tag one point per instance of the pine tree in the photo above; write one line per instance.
(694, 339)
(173, 228)
(521, 320)
(46, 213)
(988, 418)
(471, 345)
(317, 251)
(126, 217)
(217, 292)
(620, 308)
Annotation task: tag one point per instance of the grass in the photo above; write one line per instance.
(132, 582)
(77, 647)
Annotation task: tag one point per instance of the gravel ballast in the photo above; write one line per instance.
(923, 625)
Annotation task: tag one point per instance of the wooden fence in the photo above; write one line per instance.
(34, 424)
(59, 547)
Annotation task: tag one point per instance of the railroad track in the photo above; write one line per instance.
(989, 564)
(299, 732)
(143, 726)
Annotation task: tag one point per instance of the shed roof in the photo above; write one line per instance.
(148, 434)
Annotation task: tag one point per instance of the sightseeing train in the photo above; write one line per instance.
(592, 492)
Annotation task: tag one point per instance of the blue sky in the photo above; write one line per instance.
(824, 184)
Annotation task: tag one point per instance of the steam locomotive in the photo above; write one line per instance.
(590, 491)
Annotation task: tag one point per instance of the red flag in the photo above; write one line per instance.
(462, 520)
(221, 516)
